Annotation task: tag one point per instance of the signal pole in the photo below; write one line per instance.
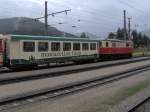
(129, 28)
(125, 28)
(46, 17)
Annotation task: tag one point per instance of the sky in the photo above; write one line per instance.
(98, 17)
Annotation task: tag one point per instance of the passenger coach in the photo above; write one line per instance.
(22, 50)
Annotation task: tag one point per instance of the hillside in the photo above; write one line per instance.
(90, 35)
(27, 26)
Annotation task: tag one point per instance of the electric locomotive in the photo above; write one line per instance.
(114, 48)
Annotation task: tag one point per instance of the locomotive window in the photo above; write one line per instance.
(107, 44)
(28, 46)
(85, 46)
(76, 46)
(55, 46)
(100, 44)
(67, 46)
(43, 46)
(127, 45)
(113, 44)
(93, 46)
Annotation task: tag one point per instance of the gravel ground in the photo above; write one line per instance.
(29, 86)
(58, 69)
(98, 99)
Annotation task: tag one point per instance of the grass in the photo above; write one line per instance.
(125, 93)
(133, 90)
(141, 52)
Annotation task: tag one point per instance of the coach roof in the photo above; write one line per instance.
(29, 37)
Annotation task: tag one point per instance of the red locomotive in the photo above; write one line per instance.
(114, 48)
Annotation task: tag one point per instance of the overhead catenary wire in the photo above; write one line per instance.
(99, 17)
(133, 7)
(122, 2)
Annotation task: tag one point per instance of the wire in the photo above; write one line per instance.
(133, 7)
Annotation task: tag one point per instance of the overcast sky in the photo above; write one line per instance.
(96, 16)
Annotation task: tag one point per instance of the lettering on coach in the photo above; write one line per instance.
(61, 54)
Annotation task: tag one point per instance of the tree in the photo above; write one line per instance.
(83, 35)
(111, 35)
(135, 38)
(139, 39)
(120, 34)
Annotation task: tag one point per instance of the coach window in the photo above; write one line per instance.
(28, 46)
(85, 46)
(55, 46)
(93, 46)
(66, 46)
(76, 46)
(43, 46)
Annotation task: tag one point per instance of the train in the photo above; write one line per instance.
(27, 50)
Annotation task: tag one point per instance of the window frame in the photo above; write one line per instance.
(65, 48)
(107, 44)
(100, 44)
(74, 48)
(46, 50)
(56, 48)
(91, 46)
(85, 48)
(25, 50)
(127, 44)
(114, 44)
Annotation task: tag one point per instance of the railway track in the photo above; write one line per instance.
(7, 70)
(141, 106)
(15, 77)
(67, 88)
(54, 65)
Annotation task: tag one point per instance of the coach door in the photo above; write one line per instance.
(1, 52)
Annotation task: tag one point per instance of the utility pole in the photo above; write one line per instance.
(129, 28)
(125, 28)
(46, 17)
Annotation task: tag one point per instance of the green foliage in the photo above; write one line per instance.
(83, 35)
(120, 34)
(111, 35)
(139, 40)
